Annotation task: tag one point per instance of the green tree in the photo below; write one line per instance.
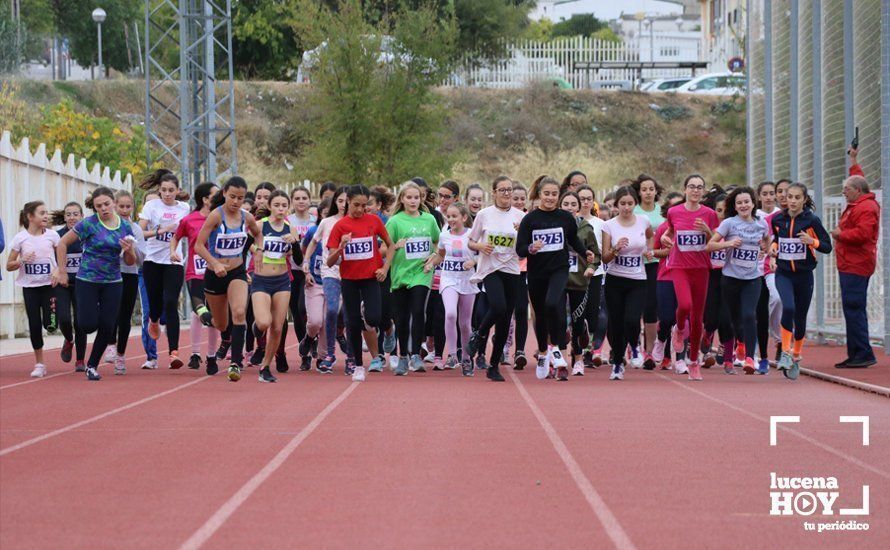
(73, 20)
(378, 120)
(580, 24)
(11, 44)
(263, 43)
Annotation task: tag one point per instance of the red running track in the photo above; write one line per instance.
(177, 459)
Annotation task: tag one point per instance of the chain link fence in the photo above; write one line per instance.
(817, 71)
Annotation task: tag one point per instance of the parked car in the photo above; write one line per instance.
(664, 84)
(715, 84)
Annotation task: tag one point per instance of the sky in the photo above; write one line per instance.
(611, 9)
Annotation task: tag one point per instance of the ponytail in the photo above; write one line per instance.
(808, 203)
(155, 179)
(535, 192)
(58, 216)
(220, 198)
(28, 210)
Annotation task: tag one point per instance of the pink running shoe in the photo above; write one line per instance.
(695, 371)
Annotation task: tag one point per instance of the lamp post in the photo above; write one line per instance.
(99, 16)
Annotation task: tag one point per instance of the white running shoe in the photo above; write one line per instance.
(358, 375)
(680, 367)
(636, 359)
(557, 360)
(658, 351)
(430, 358)
(393, 362)
(617, 372)
(110, 354)
(578, 368)
(120, 368)
(151, 364)
(39, 371)
(543, 367)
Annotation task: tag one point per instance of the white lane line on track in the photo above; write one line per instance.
(98, 417)
(219, 518)
(591, 495)
(31, 381)
(827, 448)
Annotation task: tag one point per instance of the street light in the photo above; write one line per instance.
(99, 16)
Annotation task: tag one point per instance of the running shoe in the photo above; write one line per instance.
(266, 375)
(677, 340)
(658, 351)
(504, 362)
(794, 371)
(437, 364)
(710, 361)
(305, 345)
(120, 368)
(587, 358)
(376, 364)
(494, 374)
(519, 360)
(557, 359)
(785, 362)
(359, 374)
(451, 362)
(617, 372)
(305, 363)
(562, 374)
(175, 361)
(344, 345)
(636, 360)
(694, 370)
(39, 371)
(67, 348)
(154, 330)
(763, 367)
(350, 366)
(466, 367)
(195, 361)
(680, 367)
(211, 367)
(551, 373)
(110, 354)
(389, 341)
(473, 344)
(79, 366)
(234, 372)
(429, 358)
(402, 367)
(223, 350)
(326, 365)
(729, 368)
(597, 358)
(720, 356)
(415, 364)
(93, 374)
(578, 368)
(480, 362)
(281, 363)
(749, 367)
(648, 362)
(543, 367)
(393, 361)
(666, 363)
(256, 358)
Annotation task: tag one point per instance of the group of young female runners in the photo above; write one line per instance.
(426, 275)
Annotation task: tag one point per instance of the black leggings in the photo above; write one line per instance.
(548, 296)
(40, 306)
(163, 283)
(129, 293)
(521, 313)
(650, 308)
(625, 299)
(386, 312)
(435, 321)
(577, 307)
(500, 295)
(763, 319)
(297, 305)
(66, 301)
(410, 304)
(355, 293)
(94, 301)
(602, 319)
(741, 297)
(717, 315)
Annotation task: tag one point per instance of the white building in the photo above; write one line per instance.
(723, 27)
(670, 37)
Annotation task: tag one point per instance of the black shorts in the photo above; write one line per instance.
(270, 284)
(216, 286)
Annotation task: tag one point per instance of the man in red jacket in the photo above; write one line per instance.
(856, 239)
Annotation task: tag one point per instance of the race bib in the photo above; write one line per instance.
(275, 248)
(38, 269)
(502, 242)
(452, 266)
(229, 245)
(72, 264)
(553, 239)
(417, 248)
(690, 240)
(200, 264)
(359, 249)
(573, 262)
(746, 257)
(633, 263)
(316, 265)
(718, 259)
(792, 249)
(165, 237)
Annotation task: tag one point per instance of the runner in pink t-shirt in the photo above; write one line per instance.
(690, 226)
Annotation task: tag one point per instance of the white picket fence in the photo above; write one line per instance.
(27, 176)
(530, 61)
